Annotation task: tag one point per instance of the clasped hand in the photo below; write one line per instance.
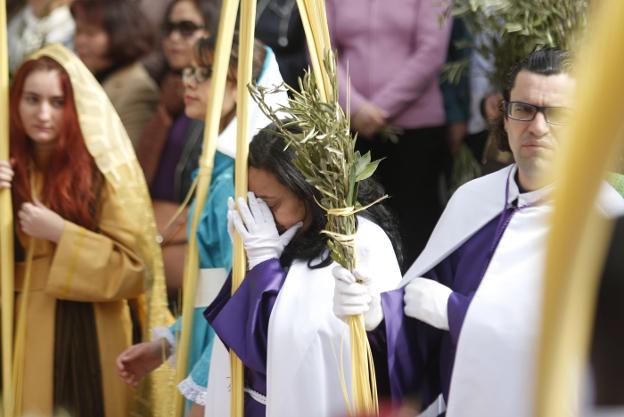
(35, 219)
(355, 294)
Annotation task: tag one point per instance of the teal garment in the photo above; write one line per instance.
(214, 244)
(456, 94)
(215, 251)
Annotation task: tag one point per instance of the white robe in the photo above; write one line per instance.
(304, 340)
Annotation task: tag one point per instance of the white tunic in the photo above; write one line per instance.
(305, 337)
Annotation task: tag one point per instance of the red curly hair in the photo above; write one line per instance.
(71, 177)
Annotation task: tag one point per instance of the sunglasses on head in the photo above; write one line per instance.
(185, 28)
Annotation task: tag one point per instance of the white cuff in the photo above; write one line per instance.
(163, 332)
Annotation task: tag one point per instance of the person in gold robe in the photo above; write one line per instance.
(84, 239)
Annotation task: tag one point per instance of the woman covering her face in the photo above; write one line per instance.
(280, 321)
(79, 199)
(214, 243)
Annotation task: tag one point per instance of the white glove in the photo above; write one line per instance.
(352, 298)
(427, 300)
(256, 227)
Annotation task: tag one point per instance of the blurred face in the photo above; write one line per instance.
(287, 208)
(41, 106)
(197, 86)
(183, 27)
(534, 143)
(92, 44)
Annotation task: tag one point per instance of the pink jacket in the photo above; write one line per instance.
(394, 50)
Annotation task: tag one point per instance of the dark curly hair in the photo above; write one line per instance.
(543, 61)
(267, 151)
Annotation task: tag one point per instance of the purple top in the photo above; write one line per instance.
(242, 323)
(163, 184)
(420, 357)
(395, 50)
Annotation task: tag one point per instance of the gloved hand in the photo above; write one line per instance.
(427, 300)
(352, 298)
(255, 224)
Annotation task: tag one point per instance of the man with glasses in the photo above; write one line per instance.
(463, 328)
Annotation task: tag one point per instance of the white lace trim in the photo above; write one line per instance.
(193, 392)
(256, 396)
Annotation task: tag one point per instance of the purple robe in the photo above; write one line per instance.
(242, 323)
(413, 357)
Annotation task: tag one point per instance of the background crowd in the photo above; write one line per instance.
(432, 133)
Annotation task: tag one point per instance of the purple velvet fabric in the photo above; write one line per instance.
(163, 184)
(242, 322)
(420, 357)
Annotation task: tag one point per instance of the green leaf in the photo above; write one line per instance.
(360, 164)
(368, 170)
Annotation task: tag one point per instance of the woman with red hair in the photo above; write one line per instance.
(79, 200)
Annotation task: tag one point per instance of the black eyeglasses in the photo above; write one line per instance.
(525, 112)
(197, 74)
(185, 28)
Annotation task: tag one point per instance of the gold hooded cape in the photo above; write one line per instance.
(121, 262)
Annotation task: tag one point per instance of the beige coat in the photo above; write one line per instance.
(101, 268)
(134, 96)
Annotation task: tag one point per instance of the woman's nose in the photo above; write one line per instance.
(45, 111)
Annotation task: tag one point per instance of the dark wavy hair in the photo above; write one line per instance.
(267, 151)
(543, 61)
(128, 29)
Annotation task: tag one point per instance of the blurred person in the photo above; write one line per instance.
(38, 23)
(389, 57)
(111, 36)
(461, 165)
(278, 25)
(170, 144)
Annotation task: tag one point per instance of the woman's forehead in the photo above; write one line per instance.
(45, 82)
